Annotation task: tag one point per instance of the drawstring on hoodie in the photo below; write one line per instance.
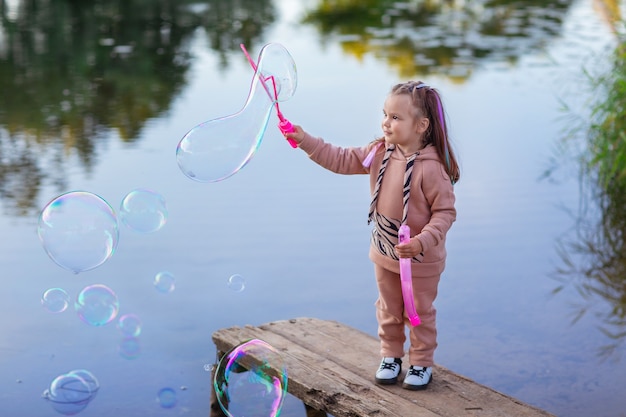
(379, 180)
(406, 189)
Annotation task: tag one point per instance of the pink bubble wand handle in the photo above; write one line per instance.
(285, 126)
(406, 278)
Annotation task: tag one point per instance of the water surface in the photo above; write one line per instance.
(107, 117)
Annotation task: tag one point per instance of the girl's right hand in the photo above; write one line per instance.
(297, 134)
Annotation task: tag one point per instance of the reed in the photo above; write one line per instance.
(593, 255)
(607, 133)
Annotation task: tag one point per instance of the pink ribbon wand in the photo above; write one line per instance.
(406, 278)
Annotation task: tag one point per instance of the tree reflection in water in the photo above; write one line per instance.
(593, 254)
(439, 37)
(72, 71)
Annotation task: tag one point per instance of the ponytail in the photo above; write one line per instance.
(440, 141)
(427, 101)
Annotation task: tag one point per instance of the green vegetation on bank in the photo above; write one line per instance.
(594, 254)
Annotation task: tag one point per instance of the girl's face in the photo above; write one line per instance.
(402, 125)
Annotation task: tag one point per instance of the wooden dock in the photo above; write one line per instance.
(331, 368)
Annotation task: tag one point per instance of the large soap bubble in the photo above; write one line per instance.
(78, 230)
(251, 380)
(143, 211)
(214, 150)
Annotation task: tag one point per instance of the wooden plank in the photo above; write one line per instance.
(331, 367)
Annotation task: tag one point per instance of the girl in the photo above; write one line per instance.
(412, 170)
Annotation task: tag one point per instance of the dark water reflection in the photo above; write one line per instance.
(71, 71)
(84, 83)
(439, 37)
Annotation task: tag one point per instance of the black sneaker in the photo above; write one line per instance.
(389, 370)
(417, 378)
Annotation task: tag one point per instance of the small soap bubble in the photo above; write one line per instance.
(143, 211)
(78, 231)
(130, 348)
(55, 300)
(236, 283)
(129, 325)
(164, 282)
(97, 305)
(90, 380)
(166, 397)
(71, 392)
(251, 380)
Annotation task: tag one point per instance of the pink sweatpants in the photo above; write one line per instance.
(392, 318)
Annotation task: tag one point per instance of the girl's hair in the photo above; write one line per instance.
(428, 102)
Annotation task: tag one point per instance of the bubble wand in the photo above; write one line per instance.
(406, 278)
(284, 125)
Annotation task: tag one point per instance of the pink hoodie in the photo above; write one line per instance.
(431, 209)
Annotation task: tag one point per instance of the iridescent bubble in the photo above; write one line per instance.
(164, 282)
(90, 380)
(236, 283)
(69, 393)
(166, 397)
(129, 325)
(55, 300)
(251, 380)
(143, 211)
(130, 348)
(97, 305)
(78, 231)
(217, 149)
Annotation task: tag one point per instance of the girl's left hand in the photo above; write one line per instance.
(410, 249)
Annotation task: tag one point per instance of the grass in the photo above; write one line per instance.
(593, 255)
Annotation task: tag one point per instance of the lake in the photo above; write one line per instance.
(97, 97)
